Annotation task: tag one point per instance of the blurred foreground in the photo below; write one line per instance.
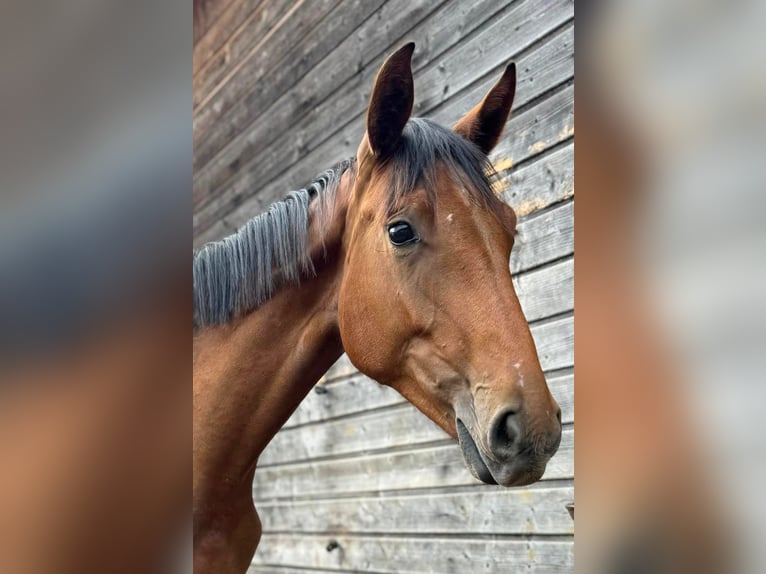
(670, 288)
(95, 365)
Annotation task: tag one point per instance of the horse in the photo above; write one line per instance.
(400, 259)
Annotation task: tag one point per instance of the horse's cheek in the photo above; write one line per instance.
(364, 338)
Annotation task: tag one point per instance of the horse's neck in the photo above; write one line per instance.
(249, 376)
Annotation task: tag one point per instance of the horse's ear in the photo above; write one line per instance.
(391, 101)
(484, 123)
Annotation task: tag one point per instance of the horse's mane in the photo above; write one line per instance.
(242, 271)
(237, 274)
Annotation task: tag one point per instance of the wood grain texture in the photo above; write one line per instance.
(241, 26)
(417, 556)
(429, 466)
(490, 510)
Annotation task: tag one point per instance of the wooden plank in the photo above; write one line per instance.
(407, 555)
(543, 237)
(398, 427)
(546, 291)
(485, 510)
(231, 83)
(314, 145)
(546, 181)
(539, 69)
(366, 50)
(206, 14)
(438, 466)
(261, 75)
(243, 25)
(359, 393)
(555, 341)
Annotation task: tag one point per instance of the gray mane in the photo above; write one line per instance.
(242, 271)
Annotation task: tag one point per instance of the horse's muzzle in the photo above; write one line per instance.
(511, 456)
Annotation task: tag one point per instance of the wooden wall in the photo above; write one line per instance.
(358, 480)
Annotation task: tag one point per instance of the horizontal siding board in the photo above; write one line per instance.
(485, 510)
(296, 157)
(279, 43)
(546, 291)
(429, 467)
(240, 27)
(543, 237)
(419, 555)
(537, 129)
(546, 181)
(206, 15)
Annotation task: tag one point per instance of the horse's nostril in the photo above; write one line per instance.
(506, 431)
(558, 414)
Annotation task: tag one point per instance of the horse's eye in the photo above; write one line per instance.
(401, 233)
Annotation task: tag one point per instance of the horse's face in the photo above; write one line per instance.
(427, 305)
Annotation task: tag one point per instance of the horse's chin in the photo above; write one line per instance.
(516, 473)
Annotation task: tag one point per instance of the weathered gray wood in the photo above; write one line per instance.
(438, 466)
(546, 291)
(316, 145)
(347, 73)
(548, 180)
(240, 27)
(206, 14)
(485, 510)
(418, 556)
(253, 67)
(543, 237)
(537, 129)
(358, 393)
(391, 428)
(259, 80)
(340, 65)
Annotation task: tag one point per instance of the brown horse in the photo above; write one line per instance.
(400, 259)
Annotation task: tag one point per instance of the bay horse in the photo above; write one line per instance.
(400, 259)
